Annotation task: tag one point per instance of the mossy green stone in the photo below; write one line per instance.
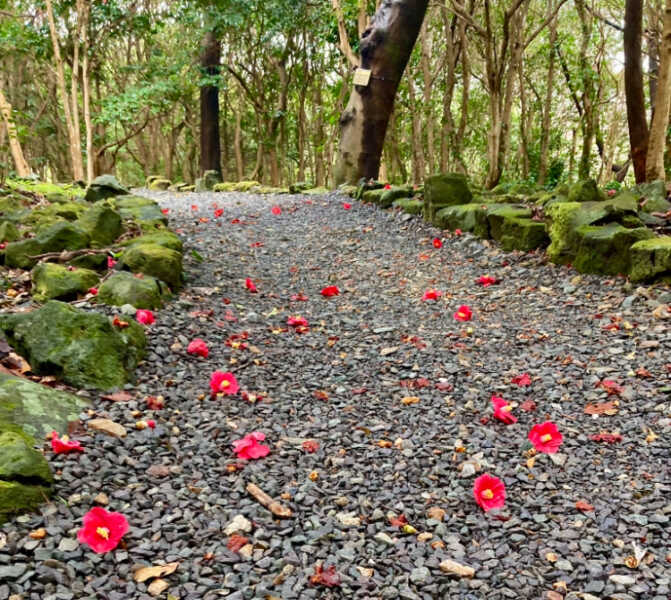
(20, 462)
(151, 259)
(166, 238)
(160, 184)
(82, 348)
(245, 186)
(61, 236)
(94, 262)
(467, 217)
(523, 234)
(104, 186)
(654, 196)
(396, 192)
(498, 214)
(585, 191)
(373, 196)
(139, 209)
(37, 410)
(124, 288)
(17, 498)
(317, 191)
(56, 281)
(651, 259)
(102, 224)
(564, 218)
(8, 232)
(226, 186)
(447, 189)
(413, 206)
(605, 249)
(299, 187)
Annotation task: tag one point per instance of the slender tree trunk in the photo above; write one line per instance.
(425, 63)
(547, 108)
(22, 168)
(210, 146)
(237, 144)
(660, 120)
(418, 165)
(633, 85)
(385, 49)
(86, 90)
(588, 118)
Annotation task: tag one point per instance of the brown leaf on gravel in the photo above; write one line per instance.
(144, 573)
(235, 542)
(327, 577)
(604, 408)
(437, 513)
(584, 506)
(158, 471)
(320, 395)
(409, 400)
(117, 397)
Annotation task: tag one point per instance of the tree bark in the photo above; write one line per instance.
(210, 146)
(633, 85)
(22, 168)
(385, 49)
(660, 120)
(547, 107)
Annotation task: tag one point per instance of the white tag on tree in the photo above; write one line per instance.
(362, 77)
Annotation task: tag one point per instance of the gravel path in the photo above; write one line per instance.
(342, 384)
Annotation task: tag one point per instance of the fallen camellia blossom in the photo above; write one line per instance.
(218, 212)
(546, 437)
(102, 530)
(151, 423)
(521, 380)
(110, 262)
(235, 542)
(463, 313)
(310, 446)
(223, 383)
(276, 210)
(612, 387)
(155, 402)
(458, 232)
(502, 410)
(584, 506)
(330, 290)
(93, 291)
(299, 297)
(198, 347)
(326, 577)
(256, 245)
(146, 317)
(437, 243)
(431, 295)
(297, 321)
(346, 205)
(249, 284)
(489, 492)
(117, 322)
(387, 186)
(165, 211)
(486, 280)
(249, 448)
(606, 438)
(64, 445)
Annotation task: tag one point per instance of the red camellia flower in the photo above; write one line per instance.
(458, 232)
(3, 245)
(249, 448)
(463, 313)
(432, 295)
(249, 284)
(489, 492)
(64, 445)
(198, 347)
(486, 281)
(218, 212)
(146, 317)
(165, 211)
(155, 402)
(276, 210)
(310, 446)
(521, 380)
(299, 297)
(110, 262)
(151, 423)
(223, 383)
(437, 243)
(93, 291)
(346, 205)
(330, 290)
(297, 321)
(194, 207)
(102, 530)
(256, 244)
(235, 221)
(502, 410)
(546, 437)
(387, 186)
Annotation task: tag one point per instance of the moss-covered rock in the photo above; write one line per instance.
(373, 196)
(160, 184)
(102, 224)
(605, 249)
(166, 238)
(651, 259)
(56, 281)
(653, 197)
(585, 190)
(299, 187)
(207, 182)
(61, 236)
(93, 262)
(317, 191)
(348, 190)
(447, 189)
(124, 288)
(523, 234)
(104, 186)
(413, 206)
(36, 409)
(151, 259)
(8, 232)
(82, 348)
(467, 217)
(143, 211)
(236, 186)
(497, 215)
(396, 192)
(41, 218)
(226, 186)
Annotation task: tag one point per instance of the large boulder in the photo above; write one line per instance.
(207, 182)
(165, 238)
(124, 288)
(25, 477)
(513, 227)
(102, 224)
(85, 349)
(60, 236)
(447, 189)
(36, 409)
(57, 281)
(585, 190)
(104, 186)
(651, 259)
(159, 184)
(606, 249)
(466, 217)
(8, 232)
(654, 197)
(144, 211)
(151, 259)
(299, 187)
(412, 206)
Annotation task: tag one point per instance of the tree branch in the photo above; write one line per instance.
(345, 46)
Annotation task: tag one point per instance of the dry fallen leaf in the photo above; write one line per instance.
(651, 437)
(605, 408)
(410, 400)
(144, 573)
(157, 587)
(551, 557)
(435, 512)
(454, 568)
(38, 534)
(584, 506)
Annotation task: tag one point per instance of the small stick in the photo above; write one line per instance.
(264, 499)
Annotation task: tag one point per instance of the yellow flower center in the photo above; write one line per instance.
(506, 408)
(235, 345)
(487, 494)
(225, 383)
(103, 532)
(546, 438)
(461, 314)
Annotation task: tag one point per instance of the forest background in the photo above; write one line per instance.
(518, 91)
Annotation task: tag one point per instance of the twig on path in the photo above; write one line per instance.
(66, 255)
(264, 499)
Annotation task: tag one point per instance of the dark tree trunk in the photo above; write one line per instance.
(210, 149)
(385, 49)
(633, 86)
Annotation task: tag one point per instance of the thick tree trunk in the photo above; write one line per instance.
(385, 49)
(633, 85)
(210, 148)
(660, 120)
